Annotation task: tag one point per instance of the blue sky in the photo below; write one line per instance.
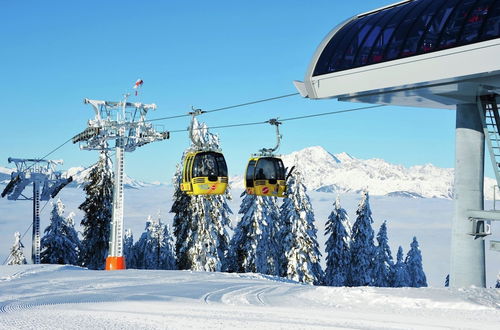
(191, 53)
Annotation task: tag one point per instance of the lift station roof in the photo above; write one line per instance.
(424, 53)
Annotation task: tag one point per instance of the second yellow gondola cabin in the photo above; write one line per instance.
(204, 173)
(265, 176)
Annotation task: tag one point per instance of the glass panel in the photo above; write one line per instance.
(329, 59)
(442, 16)
(265, 169)
(417, 27)
(250, 173)
(364, 50)
(377, 51)
(491, 28)
(221, 162)
(421, 25)
(205, 164)
(281, 169)
(475, 20)
(453, 29)
(360, 32)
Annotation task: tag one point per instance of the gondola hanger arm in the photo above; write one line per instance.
(270, 151)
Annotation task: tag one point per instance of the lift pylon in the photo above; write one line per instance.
(47, 182)
(125, 123)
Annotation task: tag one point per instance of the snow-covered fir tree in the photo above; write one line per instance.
(154, 250)
(383, 264)
(128, 249)
(497, 286)
(72, 234)
(16, 256)
(338, 255)
(361, 245)
(182, 222)
(201, 222)
(298, 234)
(98, 212)
(401, 276)
(253, 247)
(414, 265)
(60, 244)
(167, 251)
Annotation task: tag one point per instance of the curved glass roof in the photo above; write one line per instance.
(409, 29)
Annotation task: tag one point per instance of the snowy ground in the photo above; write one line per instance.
(67, 297)
(427, 218)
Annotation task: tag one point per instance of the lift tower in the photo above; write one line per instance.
(47, 182)
(125, 123)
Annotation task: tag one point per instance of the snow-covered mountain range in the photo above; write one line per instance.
(79, 174)
(339, 173)
(342, 173)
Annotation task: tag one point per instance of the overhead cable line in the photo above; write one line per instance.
(287, 119)
(227, 107)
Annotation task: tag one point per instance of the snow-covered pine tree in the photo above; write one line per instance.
(253, 247)
(298, 234)
(338, 254)
(98, 212)
(154, 250)
(383, 264)
(167, 253)
(497, 286)
(401, 276)
(147, 248)
(182, 222)
(59, 245)
(361, 245)
(447, 281)
(201, 222)
(72, 234)
(414, 265)
(128, 249)
(16, 256)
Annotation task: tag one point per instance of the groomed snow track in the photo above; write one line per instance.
(67, 297)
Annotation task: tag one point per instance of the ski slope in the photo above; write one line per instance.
(68, 297)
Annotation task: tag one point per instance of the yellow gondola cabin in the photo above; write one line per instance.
(265, 176)
(204, 173)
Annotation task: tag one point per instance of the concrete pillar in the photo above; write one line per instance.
(467, 253)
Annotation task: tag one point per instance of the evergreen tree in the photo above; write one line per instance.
(253, 248)
(60, 243)
(72, 234)
(401, 276)
(300, 246)
(154, 250)
(16, 256)
(98, 212)
(167, 252)
(447, 281)
(497, 286)
(128, 249)
(361, 245)
(414, 264)
(383, 263)
(337, 247)
(182, 222)
(201, 222)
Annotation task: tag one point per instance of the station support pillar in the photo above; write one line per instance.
(467, 252)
